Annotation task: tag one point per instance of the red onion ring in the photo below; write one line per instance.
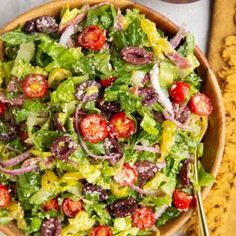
(145, 148)
(15, 160)
(99, 157)
(156, 193)
(19, 171)
(175, 41)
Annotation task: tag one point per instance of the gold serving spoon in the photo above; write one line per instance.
(203, 227)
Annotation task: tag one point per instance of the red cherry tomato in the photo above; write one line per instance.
(182, 200)
(179, 91)
(51, 205)
(71, 208)
(107, 82)
(127, 176)
(5, 197)
(143, 218)
(92, 38)
(35, 86)
(2, 108)
(200, 104)
(101, 231)
(94, 128)
(122, 126)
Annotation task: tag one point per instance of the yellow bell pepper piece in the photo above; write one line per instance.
(48, 179)
(40, 153)
(80, 223)
(159, 45)
(118, 190)
(168, 138)
(155, 182)
(57, 75)
(16, 212)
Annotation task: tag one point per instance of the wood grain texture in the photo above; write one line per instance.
(215, 136)
(222, 26)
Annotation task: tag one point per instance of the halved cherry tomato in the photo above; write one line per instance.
(101, 231)
(5, 197)
(143, 218)
(127, 176)
(182, 200)
(179, 91)
(92, 38)
(2, 108)
(35, 86)
(94, 128)
(122, 126)
(108, 81)
(51, 205)
(71, 208)
(200, 104)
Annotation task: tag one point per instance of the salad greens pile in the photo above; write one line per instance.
(100, 116)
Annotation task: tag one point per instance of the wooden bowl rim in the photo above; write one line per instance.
(174, 225)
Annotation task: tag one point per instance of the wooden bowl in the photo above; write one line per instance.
(215, 137)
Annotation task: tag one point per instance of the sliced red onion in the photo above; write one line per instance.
(118, 22)
(146, 148)
(156, 193)
(15, 160)
(179, 60)
(65, 39)
(99, 157)
(57, 123)
(163, 99)
(19, 171)
(17, 101)
(175, 41)
(76, 118)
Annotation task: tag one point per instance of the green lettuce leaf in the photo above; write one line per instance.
(63, 57)
(18, 37)
(22, 68)
(26, 185)
(169, 214)
(148, 124)
(204, 178)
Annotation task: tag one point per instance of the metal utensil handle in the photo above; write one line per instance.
(201, 215)
(203, 227)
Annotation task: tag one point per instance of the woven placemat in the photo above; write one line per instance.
(220, 204)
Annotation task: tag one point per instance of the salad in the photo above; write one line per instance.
(100, 115)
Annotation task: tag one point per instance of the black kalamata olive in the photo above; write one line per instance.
(51, 227)
(46, 24)
(57, 123)
(136, 55)
(62, 147)
(30, 26)
(112, 146)
(123, 207)
(95, 189)
(148, 96)
(108, 106)
(184, 175)
(146, 169)
(88, 91)
(159, 117)
(182, 112)
(42, 24)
